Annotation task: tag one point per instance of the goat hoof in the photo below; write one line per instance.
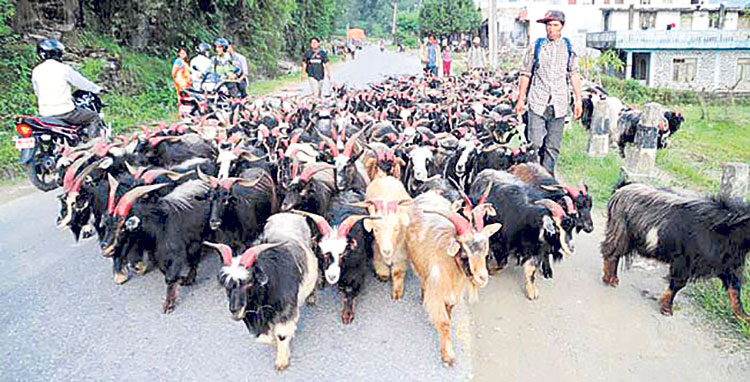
(347, 318)
(281, 366)
(382, 279)
(665, 309)
(449, 361)
(311, 299)
(612, 281)
(397, 295)
(121, 278)
(140, 268)
(532, 293)
(168, 307)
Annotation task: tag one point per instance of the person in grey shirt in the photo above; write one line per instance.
(548, 70)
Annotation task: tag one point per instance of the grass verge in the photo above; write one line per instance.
(693, 161)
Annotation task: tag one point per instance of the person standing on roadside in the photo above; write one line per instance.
(432, 56)
(477, 57)
(447, 60)
(315, 67)
(181, 71)
(239, 61)
(547, 72)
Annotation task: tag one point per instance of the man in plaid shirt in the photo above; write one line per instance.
(550, 71)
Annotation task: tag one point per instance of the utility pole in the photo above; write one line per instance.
(393, 26)
(493, 34)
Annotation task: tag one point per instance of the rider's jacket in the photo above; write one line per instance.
(52, 80)
(199, 66)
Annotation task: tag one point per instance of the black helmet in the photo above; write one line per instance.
(222, 42)
(50, 49)
(204, 48)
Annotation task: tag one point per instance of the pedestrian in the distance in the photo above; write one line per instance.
(315, 67)
(547, 72)
(447, 61)
(477, 57)
(432, 56)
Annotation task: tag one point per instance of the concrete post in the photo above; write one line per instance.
(735, 178)
(599, 132)
(629, 65)
(640, 157)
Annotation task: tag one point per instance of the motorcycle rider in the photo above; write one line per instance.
(200, 66)
(224, 67)
(52, 80)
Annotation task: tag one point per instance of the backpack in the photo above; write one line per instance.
(538, 45)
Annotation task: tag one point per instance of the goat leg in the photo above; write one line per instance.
(667, 299)
(347, 313)
(190, 278)
(609, 268)
(529, 271)
(141, 268)
(399, 274)
(120, 271)
(171, 300)
(735, 301)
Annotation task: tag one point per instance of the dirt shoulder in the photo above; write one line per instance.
(581, 330)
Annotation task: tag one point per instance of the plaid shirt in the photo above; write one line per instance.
(550, 85)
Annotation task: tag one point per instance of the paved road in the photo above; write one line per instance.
(64, 319)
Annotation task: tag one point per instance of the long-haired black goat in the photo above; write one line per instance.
(699, 237)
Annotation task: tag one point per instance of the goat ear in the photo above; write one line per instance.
(367, 223)
(491, 229)
(453, 248)
(548, 225)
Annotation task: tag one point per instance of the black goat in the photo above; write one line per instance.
(698, 237)
(312, 190)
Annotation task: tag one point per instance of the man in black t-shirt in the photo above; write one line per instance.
(315, 67)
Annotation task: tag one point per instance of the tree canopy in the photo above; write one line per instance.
(443, 17)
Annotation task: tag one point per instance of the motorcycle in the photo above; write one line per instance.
(42, 140)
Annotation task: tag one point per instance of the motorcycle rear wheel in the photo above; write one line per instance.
(41, 176)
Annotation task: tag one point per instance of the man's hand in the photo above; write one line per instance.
(578, 109)
(520, 106)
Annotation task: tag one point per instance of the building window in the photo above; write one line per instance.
(686, 20)
(648, 20)
(743, 70)
(713, 20)
(645, 2)
(683, 69)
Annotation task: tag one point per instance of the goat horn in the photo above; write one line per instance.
(132, 170)
(229, 182)
(308, 173)
(571, 207)
(459, 222)
(348, 223)
(479, 212)
(213, 182)
(113, 184)
(224, 250)
(76, 187)
(127, 200)
(155, 141)
(556, 209)
(323, 226)
(70, 173)
(251, 254)
(571, 191)
(331, 144)
(349, 146)
(150, 176)
(584, 189)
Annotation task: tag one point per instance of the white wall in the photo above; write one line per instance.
(700, 20)
(730, 20)
(618, 21)
(667, 17)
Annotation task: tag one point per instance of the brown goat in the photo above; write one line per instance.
(450, 258)
(381, 160)
(385, 199)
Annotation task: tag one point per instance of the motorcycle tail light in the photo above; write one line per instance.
(23, 130)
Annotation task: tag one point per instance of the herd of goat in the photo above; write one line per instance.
(409, 171)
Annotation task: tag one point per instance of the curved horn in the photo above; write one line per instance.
(583, 188)
(132, 170)
(224, 250)
(459, 222)
(155, 141)
(70, 173)
(113, 184)
(348, 223)
(479, 212)
(150, 176)
(556, 209)
(127, 200)
(248, 257)
(229, 182)
(323, 226)
(571, 191)
(213, 182)
(349, 146)
(569, 205)
(76, 187)
(331, 144)
(308, 173)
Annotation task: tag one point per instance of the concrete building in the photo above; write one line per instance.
(679, 45)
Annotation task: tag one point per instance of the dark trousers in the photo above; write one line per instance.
(545, 133)
(87, 119)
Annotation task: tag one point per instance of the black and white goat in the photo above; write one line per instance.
(267, 284)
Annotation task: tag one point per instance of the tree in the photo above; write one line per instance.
(443, 17)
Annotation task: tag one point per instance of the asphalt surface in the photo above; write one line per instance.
(64, 319)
